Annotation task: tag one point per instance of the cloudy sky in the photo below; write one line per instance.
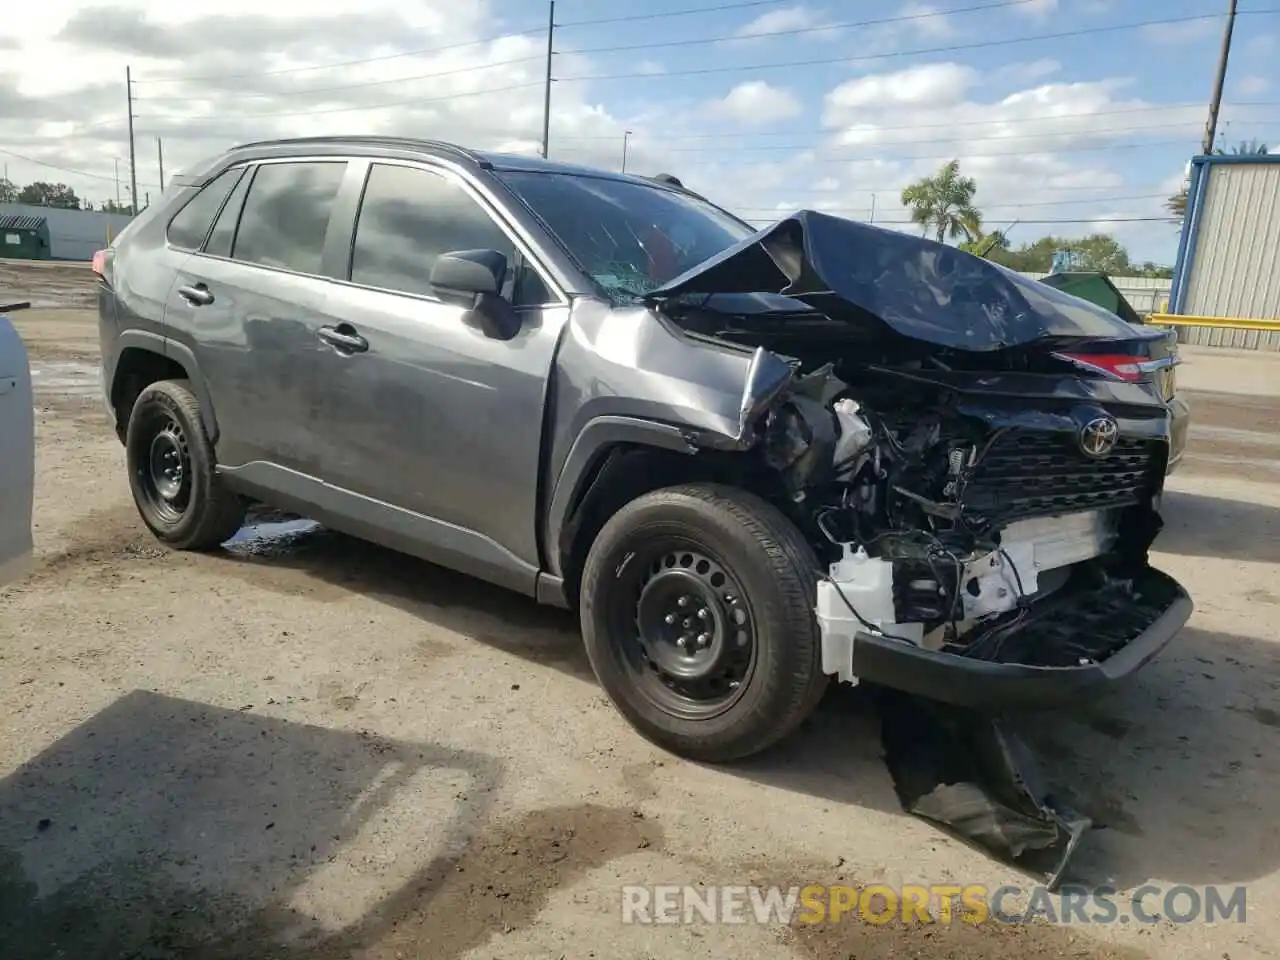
(1063, 110)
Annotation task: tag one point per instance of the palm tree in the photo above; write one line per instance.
(1245, 148)
(944, 203)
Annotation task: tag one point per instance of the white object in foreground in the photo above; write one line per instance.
(17, 454)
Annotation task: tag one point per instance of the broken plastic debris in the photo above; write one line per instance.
(968, 773)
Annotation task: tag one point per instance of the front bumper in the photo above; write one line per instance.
(998, 686)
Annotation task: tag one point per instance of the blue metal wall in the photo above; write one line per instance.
(73, 234)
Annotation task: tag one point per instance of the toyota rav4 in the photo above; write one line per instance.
(753, 461)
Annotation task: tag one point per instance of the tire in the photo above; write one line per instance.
(714, 542)
(188, 509)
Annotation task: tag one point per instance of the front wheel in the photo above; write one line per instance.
(172, 471)
(697, 612)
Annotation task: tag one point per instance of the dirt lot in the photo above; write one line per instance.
(308, 748)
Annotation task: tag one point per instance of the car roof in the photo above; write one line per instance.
(402, 147)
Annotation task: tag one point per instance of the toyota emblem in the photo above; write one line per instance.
(1098, 436)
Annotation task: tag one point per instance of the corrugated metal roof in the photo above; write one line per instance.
(1234, 266)
(16, 221)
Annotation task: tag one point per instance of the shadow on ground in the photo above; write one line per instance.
(164, 828)
(1179, 764)
(1200, 526)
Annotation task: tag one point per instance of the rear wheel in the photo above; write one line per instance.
(172, 470)
(697, 612)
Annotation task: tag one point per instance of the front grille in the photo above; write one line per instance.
(1026, 474)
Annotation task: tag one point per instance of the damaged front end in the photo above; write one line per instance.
(977, 460)
(974, 466)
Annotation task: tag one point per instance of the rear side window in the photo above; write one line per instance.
(409, 217)
(286, 214)
(190, 226)
(224, 228)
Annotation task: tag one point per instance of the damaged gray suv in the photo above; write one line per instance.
(752, 461)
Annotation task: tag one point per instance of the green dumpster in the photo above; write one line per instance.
(1096, 288)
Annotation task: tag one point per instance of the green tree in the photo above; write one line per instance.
(110, 206)
(990, 245)
(44, 194)
(8, 191)
(943, 203)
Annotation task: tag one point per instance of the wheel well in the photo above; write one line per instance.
(627, 472)
(137, 369)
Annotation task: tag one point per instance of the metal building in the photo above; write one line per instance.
(1227, 276)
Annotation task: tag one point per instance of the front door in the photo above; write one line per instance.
(424, 413)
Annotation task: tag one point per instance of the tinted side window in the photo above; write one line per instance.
(286, 214)
(188, 228)
(224, 228)
(409, 217)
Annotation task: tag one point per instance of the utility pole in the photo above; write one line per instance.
(546, 96)
(1211, 128)
(118, 183)
(133, 160)
(626, 135)
(160, 160)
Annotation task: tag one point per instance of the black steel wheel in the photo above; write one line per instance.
(695, 637)
(172, 470)
(697, 613)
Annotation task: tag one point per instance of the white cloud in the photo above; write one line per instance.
(1179, 34)
(756, 103)
(1253, 86)
(1037, 9)
(61, 103)
(1028, 72)
(1038, 154)
(799, 17)
(932, 84)
(932, 20)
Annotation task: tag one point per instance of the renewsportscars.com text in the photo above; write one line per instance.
(935, 903)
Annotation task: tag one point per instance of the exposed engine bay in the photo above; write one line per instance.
(956, 522)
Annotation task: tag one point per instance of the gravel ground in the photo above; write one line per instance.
(307, 748)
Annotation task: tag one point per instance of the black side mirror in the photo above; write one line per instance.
(473, 279)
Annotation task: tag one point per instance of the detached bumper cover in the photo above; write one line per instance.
(1000, 685)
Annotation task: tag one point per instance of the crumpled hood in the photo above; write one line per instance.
(920, 289)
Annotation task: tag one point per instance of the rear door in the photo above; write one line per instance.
(249, 304)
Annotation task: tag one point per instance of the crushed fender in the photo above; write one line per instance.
(968, 773)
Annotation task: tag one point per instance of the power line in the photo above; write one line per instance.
(538, 31)
(796, 31)
(972, 139)
(951, 124)
(826, 61)
(415, 101)
(78, 173)
(311, 91)
(674, 13)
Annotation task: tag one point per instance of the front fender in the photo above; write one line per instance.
(589, 448)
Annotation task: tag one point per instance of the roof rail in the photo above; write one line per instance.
(441, 146)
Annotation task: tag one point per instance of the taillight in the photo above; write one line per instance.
(1119, 366)
(102, 265)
